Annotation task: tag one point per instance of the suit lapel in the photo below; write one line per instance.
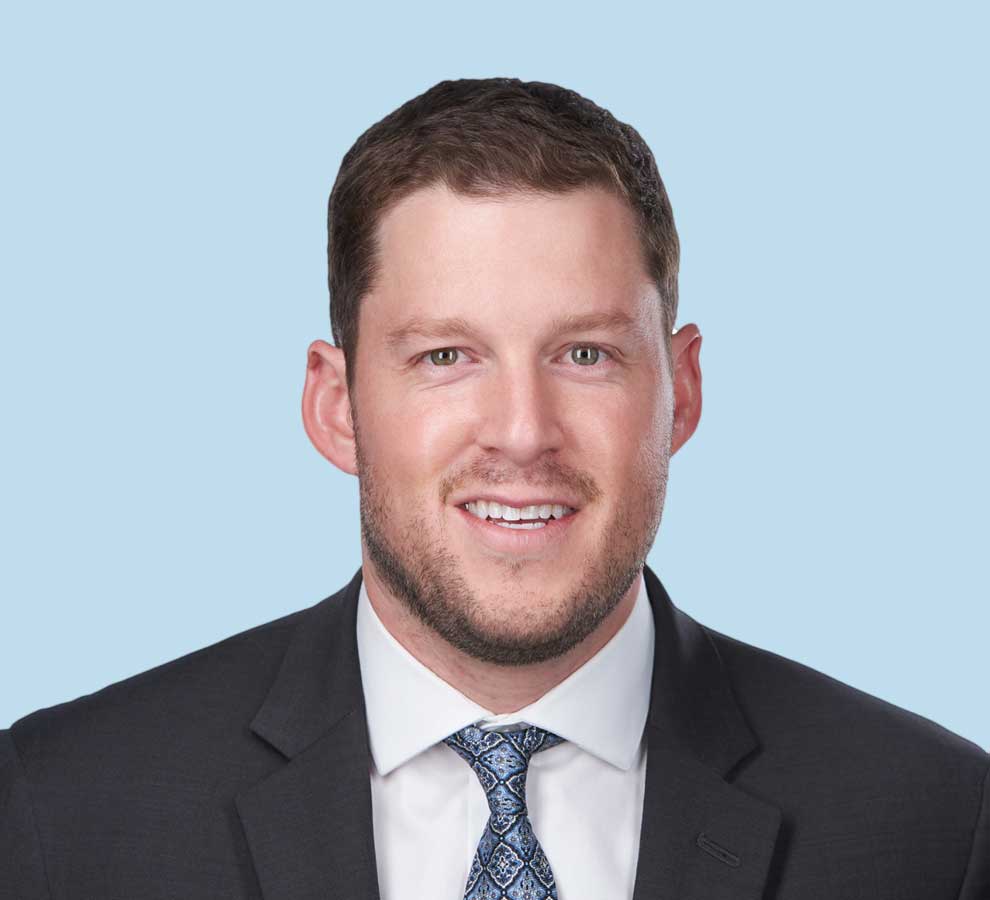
(702, 838)
(309, 824)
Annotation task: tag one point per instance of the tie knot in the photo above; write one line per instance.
(500, 759)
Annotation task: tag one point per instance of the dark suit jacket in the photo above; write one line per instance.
(242, 770)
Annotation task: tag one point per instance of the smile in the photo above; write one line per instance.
(517, 530)
(521, 518)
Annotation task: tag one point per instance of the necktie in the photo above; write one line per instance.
(509, 862)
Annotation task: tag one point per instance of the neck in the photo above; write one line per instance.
(500, 689)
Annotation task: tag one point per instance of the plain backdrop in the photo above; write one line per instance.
(164, 184)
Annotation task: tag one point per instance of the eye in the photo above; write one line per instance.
(445, 357)
(588, 360)
(446, 354)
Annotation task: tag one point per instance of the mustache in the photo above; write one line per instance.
(552, 478)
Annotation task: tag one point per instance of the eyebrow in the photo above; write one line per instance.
(457, 326)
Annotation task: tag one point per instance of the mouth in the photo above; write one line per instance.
(525, 517)
(540, 532)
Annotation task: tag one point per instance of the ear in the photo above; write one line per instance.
(326, 407)
(685, 347)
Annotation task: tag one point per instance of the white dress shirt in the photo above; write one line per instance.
(584, 796)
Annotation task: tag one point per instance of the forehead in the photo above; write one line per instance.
(510, 257)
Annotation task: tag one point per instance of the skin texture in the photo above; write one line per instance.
(513, 408)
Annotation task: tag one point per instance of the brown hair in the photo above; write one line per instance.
(485, 137)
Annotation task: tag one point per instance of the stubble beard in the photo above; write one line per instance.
(415, 563)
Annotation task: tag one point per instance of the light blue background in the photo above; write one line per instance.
(164, 189)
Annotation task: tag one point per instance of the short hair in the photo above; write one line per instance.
(483, 138)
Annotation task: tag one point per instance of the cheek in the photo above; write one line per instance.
(638, 442)
(415, 443)
(619, 430)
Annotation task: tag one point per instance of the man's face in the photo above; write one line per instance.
(516, 408)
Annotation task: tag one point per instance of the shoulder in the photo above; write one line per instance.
(788, 703)
(856, 776)
(199, 703)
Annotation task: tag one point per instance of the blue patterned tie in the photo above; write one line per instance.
(509, 862)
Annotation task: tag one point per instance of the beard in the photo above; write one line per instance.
(412, 557)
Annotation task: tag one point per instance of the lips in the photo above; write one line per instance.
(516, 542)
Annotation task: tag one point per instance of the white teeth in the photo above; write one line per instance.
(485, 509)
(517, 525)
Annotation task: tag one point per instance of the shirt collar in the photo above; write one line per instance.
(601, 707)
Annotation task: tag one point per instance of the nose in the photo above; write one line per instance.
(521, 414)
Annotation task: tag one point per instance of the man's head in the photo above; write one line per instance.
(503, 276)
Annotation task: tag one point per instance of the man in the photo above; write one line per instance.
(503, 701)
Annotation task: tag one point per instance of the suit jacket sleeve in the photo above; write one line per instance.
(22, 867)
(976, 883)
